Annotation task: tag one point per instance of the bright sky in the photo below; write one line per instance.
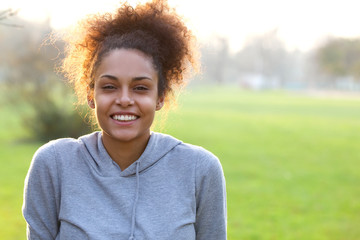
(300, 23)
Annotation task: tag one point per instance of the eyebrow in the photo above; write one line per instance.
(111, 77)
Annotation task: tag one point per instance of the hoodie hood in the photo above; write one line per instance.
(158, 146)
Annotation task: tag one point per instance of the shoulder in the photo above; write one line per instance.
(66, 144)
(50, 149)
(202, 155)
(49, 152)
(204, 159)
(207, 165)
(46, 157)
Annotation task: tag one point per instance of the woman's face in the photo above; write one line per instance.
(126, 95)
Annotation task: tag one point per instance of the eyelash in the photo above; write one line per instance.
(108, 87)
(140, 88)
(137, 88)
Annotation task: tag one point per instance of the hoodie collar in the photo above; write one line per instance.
(158, 146)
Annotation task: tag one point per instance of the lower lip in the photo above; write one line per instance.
(124, 123)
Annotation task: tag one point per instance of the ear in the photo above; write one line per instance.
(90, 99)
(160, 103)
(91, 103)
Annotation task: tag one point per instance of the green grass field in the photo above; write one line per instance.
(291, 161)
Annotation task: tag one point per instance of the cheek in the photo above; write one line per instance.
(150, 103)
(101, 102)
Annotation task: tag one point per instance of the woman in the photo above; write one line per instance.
(126, 182)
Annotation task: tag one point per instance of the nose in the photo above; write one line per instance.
(124, 98)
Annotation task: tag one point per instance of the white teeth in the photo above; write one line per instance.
(124, 117)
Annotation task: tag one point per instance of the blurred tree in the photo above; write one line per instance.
(265, 55)
(340, 57)
(27, 68)
(263, 60)
(5, 14)
(216, 59)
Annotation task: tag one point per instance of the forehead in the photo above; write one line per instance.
(127, 63)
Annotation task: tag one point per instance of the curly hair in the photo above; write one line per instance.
(153, 28)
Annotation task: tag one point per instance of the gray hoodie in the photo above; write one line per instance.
(75, 191)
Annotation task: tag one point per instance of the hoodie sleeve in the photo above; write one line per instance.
(211, 217)
(41, 195)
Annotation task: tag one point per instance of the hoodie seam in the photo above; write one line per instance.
(156, 162)
(195, 181)
(56, 159)
(90, 160)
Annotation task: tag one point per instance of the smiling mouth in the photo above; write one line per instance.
(124, 118)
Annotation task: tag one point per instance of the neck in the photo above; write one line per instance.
(124, 153)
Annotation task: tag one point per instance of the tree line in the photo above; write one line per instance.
(30, 83)
(264, 61)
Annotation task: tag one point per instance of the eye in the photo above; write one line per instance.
(140, 88)
(108, 87)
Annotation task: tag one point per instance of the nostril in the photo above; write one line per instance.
(124, 101)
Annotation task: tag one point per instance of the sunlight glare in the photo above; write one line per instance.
(300, 23)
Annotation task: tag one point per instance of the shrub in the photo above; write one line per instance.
(49, 121)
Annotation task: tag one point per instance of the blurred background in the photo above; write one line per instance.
(278, 101)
